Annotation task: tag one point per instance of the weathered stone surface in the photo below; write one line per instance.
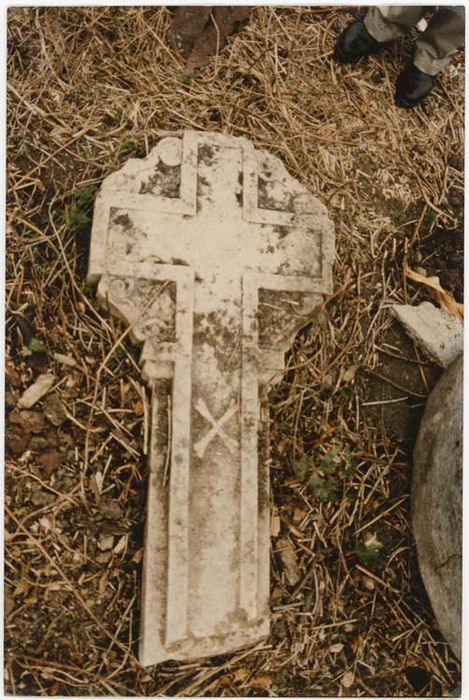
(437, 501)
(216, 256)
(436, 332)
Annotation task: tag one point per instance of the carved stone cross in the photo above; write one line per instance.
(216, 256)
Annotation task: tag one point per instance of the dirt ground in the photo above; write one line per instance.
(87, 89)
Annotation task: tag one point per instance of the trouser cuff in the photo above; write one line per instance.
(428, 64)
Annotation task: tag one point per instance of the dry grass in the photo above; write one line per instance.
(88, 88)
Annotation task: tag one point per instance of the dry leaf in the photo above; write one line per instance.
(145, 678)
(442, 297)
(137, 557)
(138, 408)
(289, 561)
(336, 648)
(17, 442)
(55, 586)
(30, 599)
(121, 545)
(372, 541)
(36, 391)
(29, 421)
(241, 674)
(22, 587)
(96, 483)
(45, 523)
(299, 514)
(103, 584)
(349, 373)
(13, 376)
(295, 531)
(347, 679)
(50, 460)
(261, 680)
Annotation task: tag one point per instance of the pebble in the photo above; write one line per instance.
(65, 359)
(106, 543)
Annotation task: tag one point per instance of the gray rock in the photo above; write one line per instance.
(437, 501)
(436, 332)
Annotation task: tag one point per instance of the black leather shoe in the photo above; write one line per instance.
(412, 86)
(354, 43)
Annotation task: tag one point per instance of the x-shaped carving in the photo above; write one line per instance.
(216, 429)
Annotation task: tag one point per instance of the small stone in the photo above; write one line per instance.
(106, 543)
(436, 332)
(348, 679)
(103, 557)
(50, 460)
(38, 443)
(112, 511)
(17, 441)
(64, 359)
(54, 410)
(28, 421)
(42, 498)
(36, 391)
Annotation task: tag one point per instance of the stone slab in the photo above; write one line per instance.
(216, 256)
(436, 332)
(437, 501)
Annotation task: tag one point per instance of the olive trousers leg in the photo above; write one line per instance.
(435, 46)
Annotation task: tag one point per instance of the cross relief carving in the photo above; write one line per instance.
(216, 256)
(216, 429)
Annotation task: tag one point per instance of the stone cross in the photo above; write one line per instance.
(216, 256)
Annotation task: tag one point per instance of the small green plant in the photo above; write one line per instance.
(430, 217)
(86, 287)
(77, 215)
(369, 550)
(187, 80)
(300, 467)
(400, 218)
(36, 345)
(128, 145)
(346, 392)
(323, 476)
(324, 487)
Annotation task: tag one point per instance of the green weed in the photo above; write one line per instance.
(430, 217)
(323, 475)
(369, 550)
(78, 214)
(86, 288)
(36, 345)
(128, 146)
